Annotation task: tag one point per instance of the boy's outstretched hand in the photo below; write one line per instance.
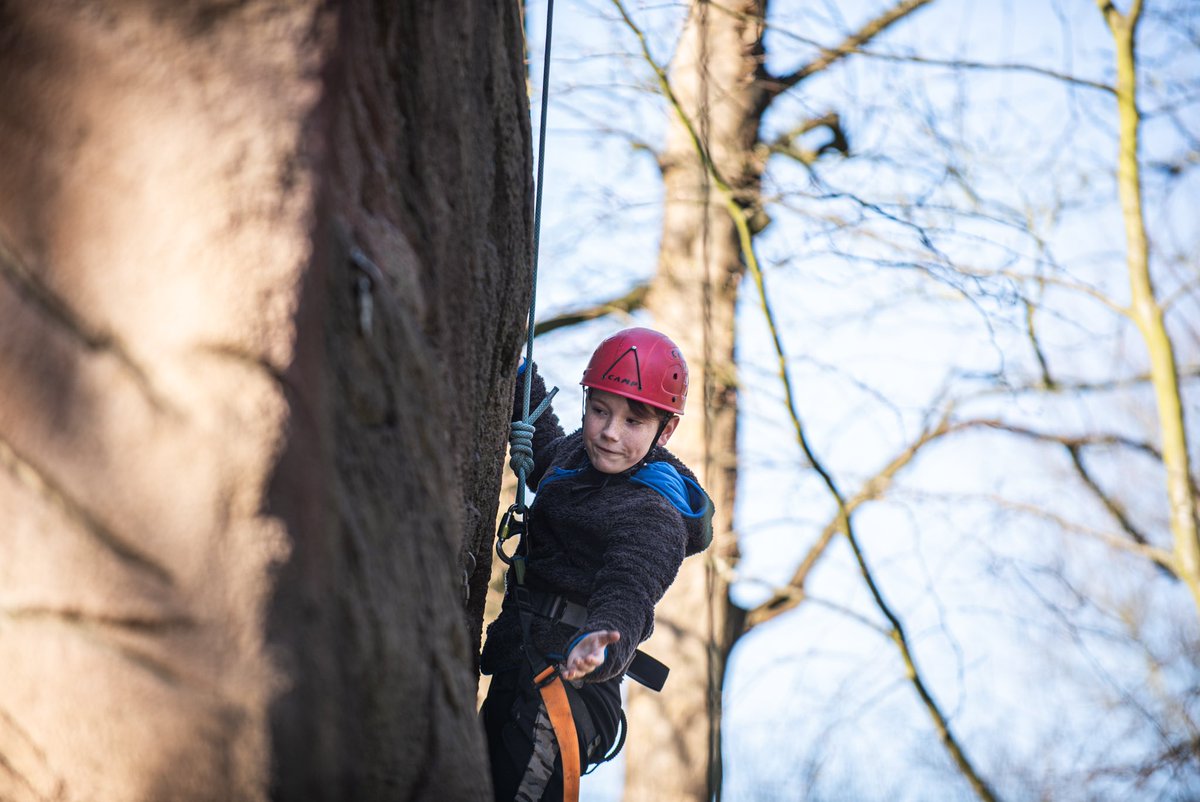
(588, 654)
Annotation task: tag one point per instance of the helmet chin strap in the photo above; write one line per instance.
(662, 426)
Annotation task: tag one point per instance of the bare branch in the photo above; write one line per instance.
(776, 85)
(793, 593)
(845, 525)
(1145, 308)
(1153, 554)
(629, 302)
(785, 143)
(1112, 505)
(982, 66)
(790, 596)
(1076, 387)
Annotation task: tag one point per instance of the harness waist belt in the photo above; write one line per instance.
(558, 608)
(644, 669)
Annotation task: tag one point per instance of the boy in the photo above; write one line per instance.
(615, 515)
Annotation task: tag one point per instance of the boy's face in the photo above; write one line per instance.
(613, 436)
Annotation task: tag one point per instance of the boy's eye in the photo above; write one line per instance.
(634, 421)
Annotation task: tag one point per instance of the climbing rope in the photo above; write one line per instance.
(521, 432)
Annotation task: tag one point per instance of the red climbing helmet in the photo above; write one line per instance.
(641, 364)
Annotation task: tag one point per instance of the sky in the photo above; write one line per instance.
(1021, 623)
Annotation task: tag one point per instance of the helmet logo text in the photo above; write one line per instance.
(637, 365)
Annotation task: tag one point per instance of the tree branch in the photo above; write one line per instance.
(1160, 557)
(785, 143)
(1145, 309)
(629, 302)
(791, 595)
(966, 64)
(776, 85)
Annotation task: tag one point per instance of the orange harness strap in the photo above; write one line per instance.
(554, 695)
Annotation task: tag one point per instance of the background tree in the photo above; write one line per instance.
(961, 219)
(245, 435)
(719, 90)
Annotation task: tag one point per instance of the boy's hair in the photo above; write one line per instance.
(644, 410)
(640, 408)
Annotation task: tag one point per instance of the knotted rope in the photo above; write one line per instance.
(520, 446)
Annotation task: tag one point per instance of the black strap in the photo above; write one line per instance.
(525, 613)
(644, 669)
(557, 608)
(616, 747)
(647, 671)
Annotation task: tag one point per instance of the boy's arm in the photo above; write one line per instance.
(646, 547)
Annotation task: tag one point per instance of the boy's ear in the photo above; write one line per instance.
(668, 430)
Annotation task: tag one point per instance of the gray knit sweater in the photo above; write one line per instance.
(611, 542)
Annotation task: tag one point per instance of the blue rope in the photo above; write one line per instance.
(520, 440)
(521, 432)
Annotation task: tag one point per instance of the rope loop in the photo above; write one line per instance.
(520, 444)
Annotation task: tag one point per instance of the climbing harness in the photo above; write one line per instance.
(554, 696)
(644, 669)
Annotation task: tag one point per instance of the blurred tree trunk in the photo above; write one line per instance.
(673, 750)
(251, 423)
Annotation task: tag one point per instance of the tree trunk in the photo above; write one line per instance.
(673, 750)
(239, 465)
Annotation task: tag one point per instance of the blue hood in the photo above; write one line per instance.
(685, 495)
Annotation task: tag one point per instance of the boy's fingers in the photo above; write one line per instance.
(598, 640)
(589, 654)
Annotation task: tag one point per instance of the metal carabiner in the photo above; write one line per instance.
(510, 526)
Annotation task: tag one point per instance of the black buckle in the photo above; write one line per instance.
(554, 608)
(553, 675)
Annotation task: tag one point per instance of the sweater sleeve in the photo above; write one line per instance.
(547, 432)
(645, 549)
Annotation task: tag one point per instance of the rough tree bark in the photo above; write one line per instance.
(233, 513)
